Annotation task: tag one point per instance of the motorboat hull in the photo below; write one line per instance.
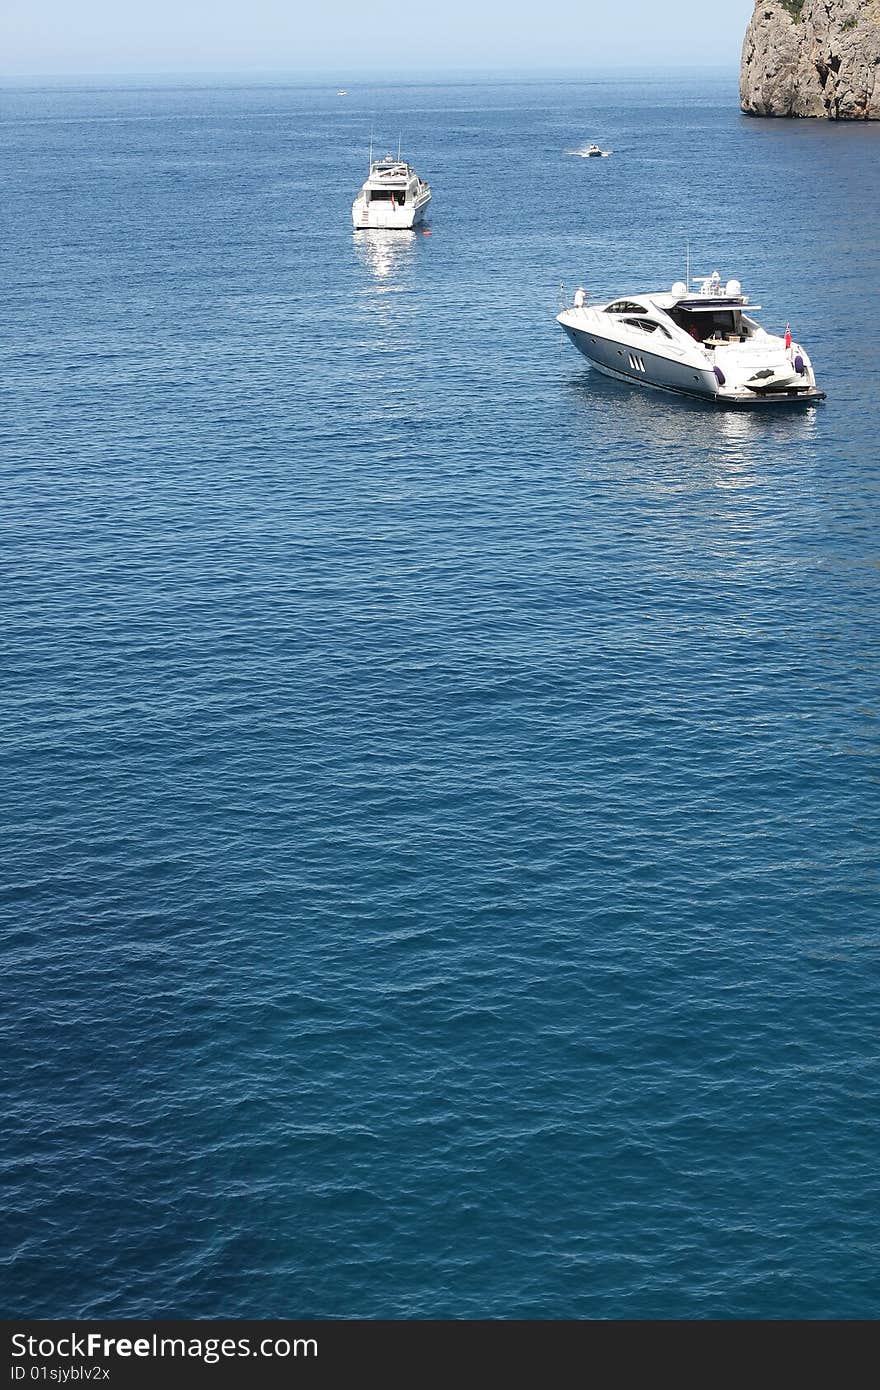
(644, 368)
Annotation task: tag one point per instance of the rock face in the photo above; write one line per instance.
(812, 58)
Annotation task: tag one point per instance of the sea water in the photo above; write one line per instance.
(440, 784)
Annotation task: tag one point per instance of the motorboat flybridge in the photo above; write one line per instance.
(392, 196)
(702, 344)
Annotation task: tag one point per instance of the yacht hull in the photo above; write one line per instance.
(376, 216)
(643, 368)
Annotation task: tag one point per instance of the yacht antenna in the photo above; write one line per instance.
(371, 147)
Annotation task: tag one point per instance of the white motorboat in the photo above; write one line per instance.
(593, 152)
(393, 196)
(704, 344)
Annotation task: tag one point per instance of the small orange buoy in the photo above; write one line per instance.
(425, 231)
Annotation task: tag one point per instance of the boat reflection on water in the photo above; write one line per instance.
(731, 446)
(387, 298)
(386, 254)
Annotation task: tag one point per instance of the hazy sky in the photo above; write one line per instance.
(154, 36)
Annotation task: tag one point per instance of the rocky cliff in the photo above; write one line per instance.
(812, 58)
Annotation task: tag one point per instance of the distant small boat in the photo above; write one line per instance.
(342, 92)
(592, 152)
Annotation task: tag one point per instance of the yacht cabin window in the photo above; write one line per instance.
(385, 195)
(718, 325)
(647, 326)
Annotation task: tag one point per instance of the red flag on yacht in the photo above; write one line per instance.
(787, 336)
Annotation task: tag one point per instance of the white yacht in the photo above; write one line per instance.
(392, 196)
(704, 344)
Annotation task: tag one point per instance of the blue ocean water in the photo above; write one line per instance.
(440, 784)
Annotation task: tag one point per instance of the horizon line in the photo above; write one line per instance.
(338, 75)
